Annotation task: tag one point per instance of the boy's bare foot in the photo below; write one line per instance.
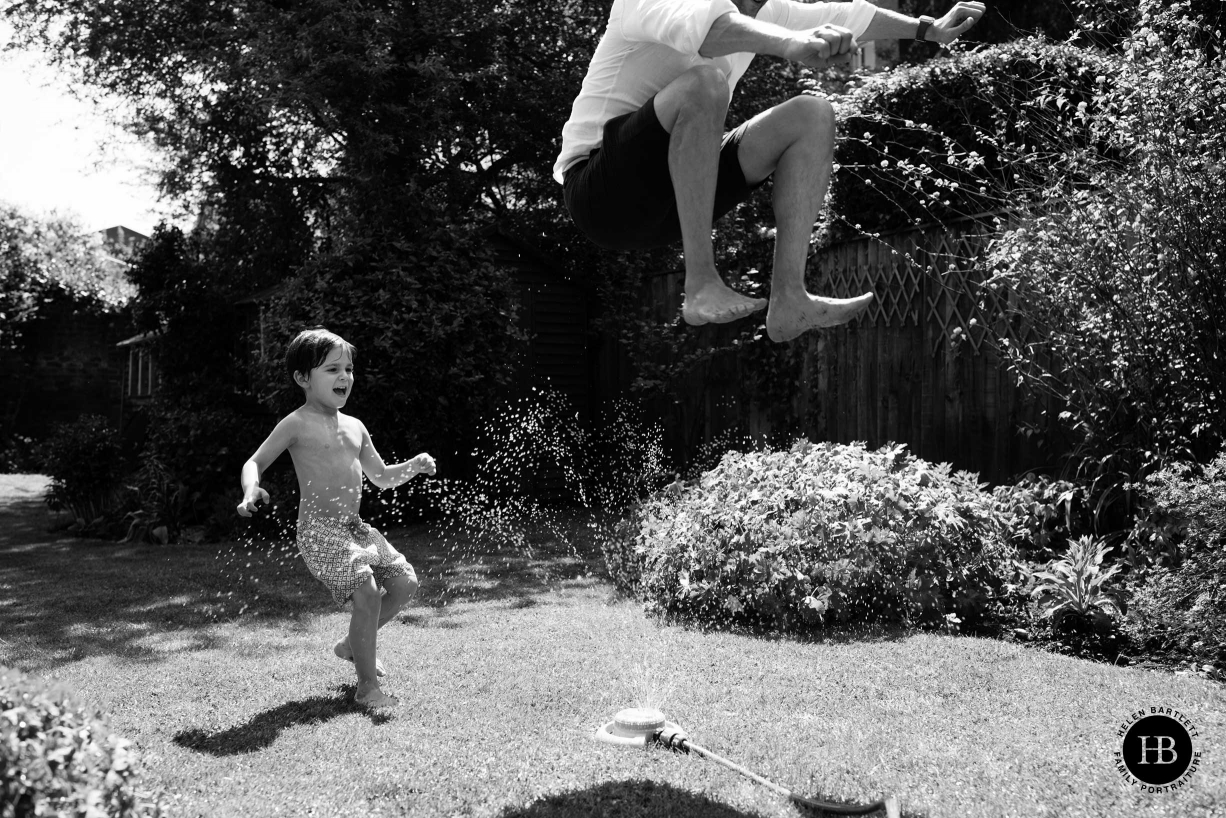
(374, 696)
(345, 652)
(718, 304)
(788, 318)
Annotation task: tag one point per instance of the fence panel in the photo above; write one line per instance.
(915, 368)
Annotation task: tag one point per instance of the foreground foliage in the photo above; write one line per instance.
(820, 534)
(56, 758)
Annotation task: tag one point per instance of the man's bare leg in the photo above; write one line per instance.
(795, 142)
(692, 109)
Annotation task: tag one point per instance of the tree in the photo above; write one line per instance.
(44, 257)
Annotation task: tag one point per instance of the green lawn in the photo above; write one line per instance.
(507, 668)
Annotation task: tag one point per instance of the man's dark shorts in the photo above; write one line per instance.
(622, 197)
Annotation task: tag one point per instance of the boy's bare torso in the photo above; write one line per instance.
(325, 451)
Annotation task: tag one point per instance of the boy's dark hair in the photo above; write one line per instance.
(311, 347)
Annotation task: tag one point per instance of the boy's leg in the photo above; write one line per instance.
(363, 634)
(400, 589)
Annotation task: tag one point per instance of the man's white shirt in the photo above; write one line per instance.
(649, 43)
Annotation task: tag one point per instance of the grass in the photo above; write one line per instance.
(506, 669)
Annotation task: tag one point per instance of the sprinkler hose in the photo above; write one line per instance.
(674, 738)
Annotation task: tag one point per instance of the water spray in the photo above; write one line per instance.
(646, 727)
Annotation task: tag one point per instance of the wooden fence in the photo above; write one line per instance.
(916, 368)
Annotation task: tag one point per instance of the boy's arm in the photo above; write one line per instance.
(282, 437)
(385, 476)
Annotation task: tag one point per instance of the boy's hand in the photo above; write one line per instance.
(252, 502)
(423, 464)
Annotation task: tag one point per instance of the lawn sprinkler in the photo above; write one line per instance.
(646, 727)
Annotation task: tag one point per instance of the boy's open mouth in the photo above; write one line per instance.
(340, 390)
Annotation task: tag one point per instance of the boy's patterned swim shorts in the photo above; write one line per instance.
(342, 552)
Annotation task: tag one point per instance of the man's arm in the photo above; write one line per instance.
(890, 25)
(737, 33)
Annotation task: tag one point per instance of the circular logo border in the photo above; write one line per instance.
(1177, 720)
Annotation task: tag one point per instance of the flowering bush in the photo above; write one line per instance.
(819, 534)
(58, 759)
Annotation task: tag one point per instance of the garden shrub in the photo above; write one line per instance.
(960, 135)
(1118, 282)
(86, 463)
(1041, 513)
(191, 462)
(817, 535)
(1181, 603)
(57, 758)
(17, 455)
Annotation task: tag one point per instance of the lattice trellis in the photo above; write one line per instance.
(935, 274)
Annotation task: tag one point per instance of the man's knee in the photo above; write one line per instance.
(701, 91)
(811, 115)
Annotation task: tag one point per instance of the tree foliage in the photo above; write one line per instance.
(962, 135)
(1122, 277)
(349, 155)
(41, 258)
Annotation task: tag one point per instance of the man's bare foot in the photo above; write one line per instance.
(718, 304)
(789, 318)
(374, 696)
(345, 652)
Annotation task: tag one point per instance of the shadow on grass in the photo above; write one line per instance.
(641, 797)
(649, 799)
(625, 799)
(262, 730)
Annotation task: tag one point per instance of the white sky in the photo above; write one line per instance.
(59, 154)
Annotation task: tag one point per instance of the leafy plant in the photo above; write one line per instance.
(1116, 269)
(86, 462)
(1181, 601)
(1076, 587)
(819, 534)
(56, 758)
(1042, 513)
(163, 501)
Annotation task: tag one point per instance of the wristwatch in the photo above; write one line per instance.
(924, 24)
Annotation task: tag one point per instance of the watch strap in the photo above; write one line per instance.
(925, 22)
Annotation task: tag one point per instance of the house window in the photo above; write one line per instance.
(142, 374)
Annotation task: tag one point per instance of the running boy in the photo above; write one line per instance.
(330, 451)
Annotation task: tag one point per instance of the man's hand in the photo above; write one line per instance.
(955, 23)
(822, 46)
(422, 464)
(251, 502)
